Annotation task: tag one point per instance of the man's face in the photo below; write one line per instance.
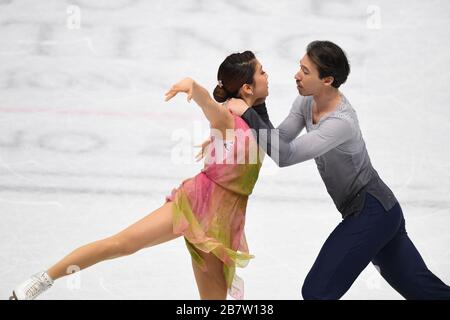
(307, 78)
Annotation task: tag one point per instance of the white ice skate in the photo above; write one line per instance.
(32, 287)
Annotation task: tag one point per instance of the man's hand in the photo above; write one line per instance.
(237, 106)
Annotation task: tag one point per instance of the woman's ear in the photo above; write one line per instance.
(247, 89)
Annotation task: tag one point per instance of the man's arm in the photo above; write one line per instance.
(288, 129)
(294, 123)
(331, 133)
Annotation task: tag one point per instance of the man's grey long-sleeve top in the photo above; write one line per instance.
(335, 143)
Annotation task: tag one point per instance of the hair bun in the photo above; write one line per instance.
(220, 94)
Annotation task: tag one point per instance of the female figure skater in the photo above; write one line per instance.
(208, 209)
(373, 226)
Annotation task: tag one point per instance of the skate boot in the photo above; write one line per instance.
(32, 287)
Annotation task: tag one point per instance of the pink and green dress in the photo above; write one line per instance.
(209, 209)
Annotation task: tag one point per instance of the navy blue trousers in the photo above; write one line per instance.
(376, 236)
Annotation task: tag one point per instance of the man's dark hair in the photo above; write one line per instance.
(330, 60)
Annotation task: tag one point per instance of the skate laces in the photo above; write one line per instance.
(40, 283)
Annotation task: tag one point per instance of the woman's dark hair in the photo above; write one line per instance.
(235, 71)
(330, 60)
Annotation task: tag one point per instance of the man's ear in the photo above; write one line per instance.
(328, 81)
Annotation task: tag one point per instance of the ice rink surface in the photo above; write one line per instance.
(88, 145)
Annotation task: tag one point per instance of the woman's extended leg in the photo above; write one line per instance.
(211, 283)
(153, 229)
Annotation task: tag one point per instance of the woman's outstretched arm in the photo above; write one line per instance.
(217, 115)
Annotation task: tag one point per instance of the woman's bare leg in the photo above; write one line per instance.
(153, 229)
(211, 283)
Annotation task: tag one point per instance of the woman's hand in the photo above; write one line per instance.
(218, 116)
(237, 106)
(204, 146)
(186, 85)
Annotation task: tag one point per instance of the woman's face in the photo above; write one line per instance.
(260, 82)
